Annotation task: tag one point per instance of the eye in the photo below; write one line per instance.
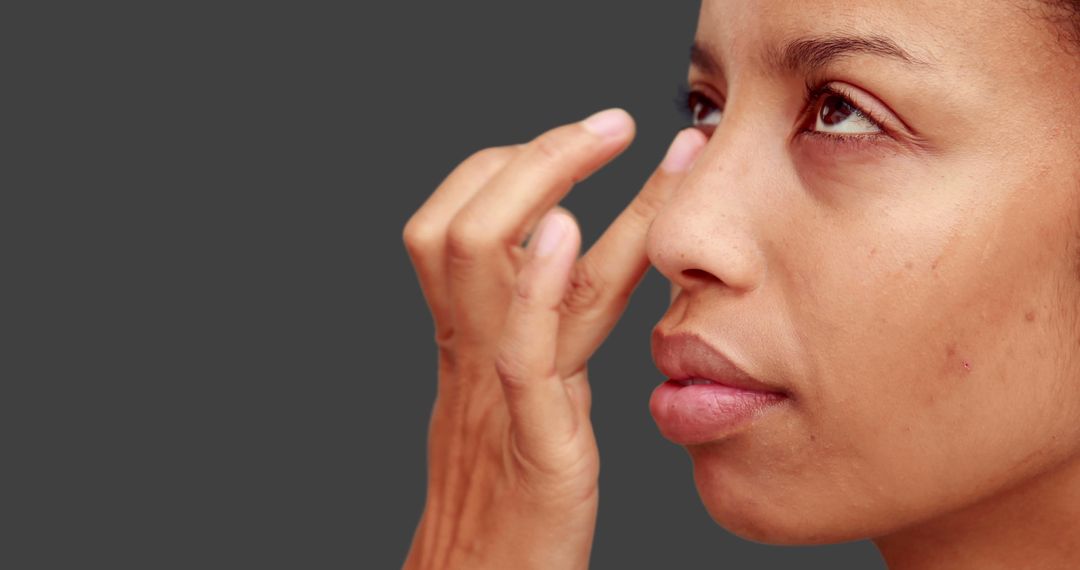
(699, 109)
(702, 111)
(834, 113)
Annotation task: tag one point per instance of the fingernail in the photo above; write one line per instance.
(683, 150)
(610, 123)
(549, 233)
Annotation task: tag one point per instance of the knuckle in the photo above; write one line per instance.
(584, 291)
(646, 205)
(420, 236)
(552, 146)
(489, 160)
(524, 295)
(467, 238)
(542, 481)
(445, 344)
(510, 368)
(528, 298)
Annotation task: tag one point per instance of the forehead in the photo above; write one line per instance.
(961, 34)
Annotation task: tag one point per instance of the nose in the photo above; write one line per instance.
(705, 236)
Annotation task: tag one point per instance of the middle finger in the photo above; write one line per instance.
(492, 224)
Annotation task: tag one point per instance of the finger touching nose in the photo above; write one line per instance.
(705, 238)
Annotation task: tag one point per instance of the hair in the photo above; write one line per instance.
(1064, 15)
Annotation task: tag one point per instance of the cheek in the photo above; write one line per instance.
(942, 355)
(940, 370)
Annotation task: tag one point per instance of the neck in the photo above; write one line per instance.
(1034, 525)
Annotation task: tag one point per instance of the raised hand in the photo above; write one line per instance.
(512, 460)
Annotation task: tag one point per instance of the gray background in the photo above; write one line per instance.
(219, 354)
(486, 73)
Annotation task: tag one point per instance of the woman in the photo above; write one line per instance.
(872, 230)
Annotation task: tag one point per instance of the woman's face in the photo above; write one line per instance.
(900, 253)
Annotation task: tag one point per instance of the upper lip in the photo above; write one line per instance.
(685, 355)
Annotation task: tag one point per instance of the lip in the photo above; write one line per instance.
(701, 412)
(684, 355)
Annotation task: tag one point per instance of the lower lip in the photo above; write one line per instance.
(698, 413)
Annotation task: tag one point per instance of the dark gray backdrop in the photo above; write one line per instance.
(226, 360)
(468, 75)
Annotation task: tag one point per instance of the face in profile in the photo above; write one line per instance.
(883, 227)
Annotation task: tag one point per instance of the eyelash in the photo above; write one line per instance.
(687, 98)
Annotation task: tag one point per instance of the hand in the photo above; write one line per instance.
(512, 460)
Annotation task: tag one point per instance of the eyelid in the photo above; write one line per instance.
(684, 101)
(862, 101)
(687, 92)
(688, 95)
(891, 125)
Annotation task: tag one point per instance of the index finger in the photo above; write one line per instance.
(606, 275)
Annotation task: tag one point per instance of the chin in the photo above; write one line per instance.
(769, 509)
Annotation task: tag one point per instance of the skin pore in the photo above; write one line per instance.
(905, 263)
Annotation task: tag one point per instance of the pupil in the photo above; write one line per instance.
(835, 110)
(702, 112)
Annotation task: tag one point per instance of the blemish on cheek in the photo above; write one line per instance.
(909, 265)
(1030, 316)
(950, 354)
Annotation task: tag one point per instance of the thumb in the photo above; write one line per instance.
(542, 414)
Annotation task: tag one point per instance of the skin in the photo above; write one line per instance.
(512, 460)
(918, 298)
(916, 291)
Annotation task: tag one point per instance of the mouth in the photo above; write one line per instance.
(693, 382)
(707, 397)
(687, 358)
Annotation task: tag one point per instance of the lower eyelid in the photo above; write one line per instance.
(851, 143)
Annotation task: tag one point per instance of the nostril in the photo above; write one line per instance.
(698, 275)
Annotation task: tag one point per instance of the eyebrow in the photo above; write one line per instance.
(812, 52)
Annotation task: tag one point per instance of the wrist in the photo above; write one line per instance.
(522, 544)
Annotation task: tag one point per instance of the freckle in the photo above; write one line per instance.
(1030, 316)
(950, 349)
(813, 437)
(873, 251)
(909, 265)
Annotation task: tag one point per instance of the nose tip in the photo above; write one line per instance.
(703, 240)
